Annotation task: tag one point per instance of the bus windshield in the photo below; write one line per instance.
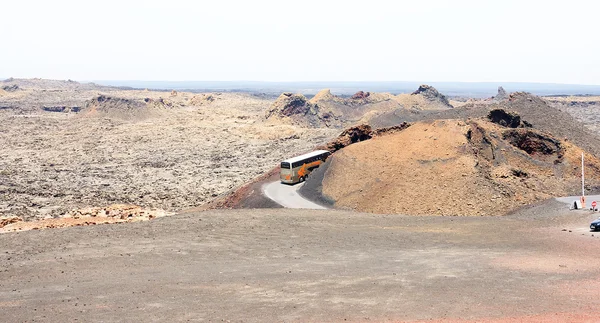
(285, 165)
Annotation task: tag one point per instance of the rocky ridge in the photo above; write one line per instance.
(537, 111)
(326, 109)
(432, 95)
(298, 110)
(359, 133)
(502, 95)
(126, 109)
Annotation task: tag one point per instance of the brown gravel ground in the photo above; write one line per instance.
(305, 265)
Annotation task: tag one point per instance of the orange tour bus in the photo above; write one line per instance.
(296, 169)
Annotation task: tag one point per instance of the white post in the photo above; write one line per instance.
(582, 182)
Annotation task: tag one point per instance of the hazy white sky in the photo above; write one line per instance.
(264, 40)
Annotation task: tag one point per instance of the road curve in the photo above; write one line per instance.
(588, 199)
(288, 196)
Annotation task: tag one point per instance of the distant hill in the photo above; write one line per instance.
(328, 110)
(48, 84)
(452, 89)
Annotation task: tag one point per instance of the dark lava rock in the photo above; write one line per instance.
(360, 95)
(55, 109)
(61, 109)
(519, 173)
(505, 119)
(430, 93)
(297, 104)
(11, 88)
(534, 143)
(106, 102)
(289, 104)
(502, 94)
(297, 108)
(360, 133)
(349, 136)
(390, 130)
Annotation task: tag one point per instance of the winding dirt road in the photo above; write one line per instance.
(288, 196)
(570, 199)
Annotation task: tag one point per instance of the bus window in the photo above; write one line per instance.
(285, 165)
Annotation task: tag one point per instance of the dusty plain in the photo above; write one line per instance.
(307, 266)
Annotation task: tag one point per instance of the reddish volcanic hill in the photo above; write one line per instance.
(455, 167)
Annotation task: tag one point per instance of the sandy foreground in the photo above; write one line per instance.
(306, 265)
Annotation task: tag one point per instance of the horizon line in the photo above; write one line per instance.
(303, 81)
(333, 81)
